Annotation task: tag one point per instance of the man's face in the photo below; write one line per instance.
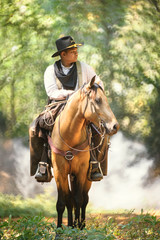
(70, 55)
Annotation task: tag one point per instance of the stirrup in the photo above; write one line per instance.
(43, 173)
(94, 171)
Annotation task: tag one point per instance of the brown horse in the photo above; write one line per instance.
(88, 104)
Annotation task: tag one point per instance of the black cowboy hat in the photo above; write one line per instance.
(65, 43)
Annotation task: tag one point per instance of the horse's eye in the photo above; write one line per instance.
(98, 100)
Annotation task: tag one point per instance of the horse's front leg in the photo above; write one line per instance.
(78, 204)
(69, 205)
(78, 199)
(64, 199)
(83, 210)
(85, 202)
(60, 206)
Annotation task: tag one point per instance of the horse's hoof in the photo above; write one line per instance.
(58, 237)
(82, 225)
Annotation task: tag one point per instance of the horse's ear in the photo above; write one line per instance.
(90, 84)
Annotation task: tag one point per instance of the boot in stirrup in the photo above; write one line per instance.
(95, 172)
(43, 173)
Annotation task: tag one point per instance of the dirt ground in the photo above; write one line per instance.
(120, 218)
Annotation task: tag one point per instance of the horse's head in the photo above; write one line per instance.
(96, 108)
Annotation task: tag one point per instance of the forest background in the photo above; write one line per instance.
(121, 42)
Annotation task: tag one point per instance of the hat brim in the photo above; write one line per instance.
(72, 46)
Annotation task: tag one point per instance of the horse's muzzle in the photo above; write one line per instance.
(110, 130)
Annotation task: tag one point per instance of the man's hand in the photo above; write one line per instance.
(70, 92)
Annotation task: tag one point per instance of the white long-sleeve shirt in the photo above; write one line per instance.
(50, 80)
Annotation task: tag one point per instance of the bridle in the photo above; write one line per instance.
(102, 134)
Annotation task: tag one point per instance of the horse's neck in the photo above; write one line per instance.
(72, 122)
(72, 125)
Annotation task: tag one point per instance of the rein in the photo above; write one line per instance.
(77, 149)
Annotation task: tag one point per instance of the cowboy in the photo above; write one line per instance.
(61, 79)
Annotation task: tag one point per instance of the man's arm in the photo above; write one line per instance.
(51, 85)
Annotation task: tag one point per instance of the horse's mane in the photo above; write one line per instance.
(83, 91)
(92, 90)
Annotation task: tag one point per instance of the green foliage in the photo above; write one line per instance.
(25, 29)
(30, 222)
(27, 228)
(17, 206)
(135, 51)
(134, 74)
(142, 226)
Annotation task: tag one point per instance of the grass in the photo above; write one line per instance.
(34, 223)
(38, 227)
(17, 206)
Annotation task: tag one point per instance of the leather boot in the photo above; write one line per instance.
(94, 172)
(43, 173)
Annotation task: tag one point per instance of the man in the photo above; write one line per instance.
(65, 70)
(61, 79)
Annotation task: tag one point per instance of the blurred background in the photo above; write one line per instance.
(122, 43)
